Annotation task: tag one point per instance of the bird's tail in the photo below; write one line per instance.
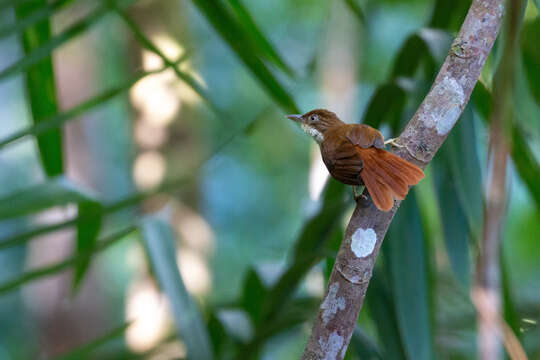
(387, 176)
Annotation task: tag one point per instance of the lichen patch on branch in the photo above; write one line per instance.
(332, 346)
(363, 242)
(332, 303)
(443, 105)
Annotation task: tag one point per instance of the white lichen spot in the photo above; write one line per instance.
(332, 303)
(443, 105)
(314, 133)
(501, 10)
(331, 347)
(363, 242)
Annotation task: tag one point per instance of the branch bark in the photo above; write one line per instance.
(420, 140)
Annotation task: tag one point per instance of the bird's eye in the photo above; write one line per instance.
(314, 117)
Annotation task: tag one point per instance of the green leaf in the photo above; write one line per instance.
(364, 347)
(297, 312)
(449, 14)
(405, 256)
(525, 107)
(145, 42)
(481, 97)
(85, 351)
(333, 247)
(49, 270)
(217, 333)
(260, 42)
(71, 114)
(54, 192)
(41, 88)
(530, 53)
(310, 247)
(428, 47)
(45, 49)
(526, 164)
(90, 216)
(386, 106)
(382, 310)
(225, 24)
(509, 307)
(129, 200)
(357, 10)
(462, 155)
(454, 221)
(31, 18)
(537, 3)
(253, 295)
(159, 243)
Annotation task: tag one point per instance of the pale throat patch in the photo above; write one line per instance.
(314, 133)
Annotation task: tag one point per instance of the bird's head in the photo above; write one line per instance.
(316, 122)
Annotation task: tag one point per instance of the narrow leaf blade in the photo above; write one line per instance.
(90, 218)
(454, 222)
(224, 23)
(380, 304)
(54, 192)
(405, 255)
(259, 39)
(159, 242)
(41, 88)
(85, 351)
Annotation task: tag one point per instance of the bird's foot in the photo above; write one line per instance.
(393, 142)
(358, 196)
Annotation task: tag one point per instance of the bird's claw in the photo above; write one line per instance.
(356, 196)
(393, 142)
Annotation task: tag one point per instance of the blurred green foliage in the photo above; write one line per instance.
(164, 119)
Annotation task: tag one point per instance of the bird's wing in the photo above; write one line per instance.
(343, 162)
(364, 136)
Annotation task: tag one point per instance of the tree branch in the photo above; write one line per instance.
(421, 139)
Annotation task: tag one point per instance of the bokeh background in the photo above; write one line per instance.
(142, 137)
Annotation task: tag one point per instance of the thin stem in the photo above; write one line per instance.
(71, 114)
(145, 42)
(133, 199)
(64, 264)
(487, 292)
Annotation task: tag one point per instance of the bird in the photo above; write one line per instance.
(355, 154)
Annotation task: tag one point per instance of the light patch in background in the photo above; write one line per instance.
(149, 136)
(195, 272)
(340, 50)
(155, 97)
(318, 175)
(149, 169)
(315, 282)
(194, 230)
(168, 46)
(149, 312)
(44, 296)
(172, 350)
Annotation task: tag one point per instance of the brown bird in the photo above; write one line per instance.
(354, 154)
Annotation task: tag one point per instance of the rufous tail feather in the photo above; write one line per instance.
(387, 176)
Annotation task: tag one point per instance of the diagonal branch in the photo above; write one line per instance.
(420, 140)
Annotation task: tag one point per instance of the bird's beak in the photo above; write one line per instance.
(297, 118)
